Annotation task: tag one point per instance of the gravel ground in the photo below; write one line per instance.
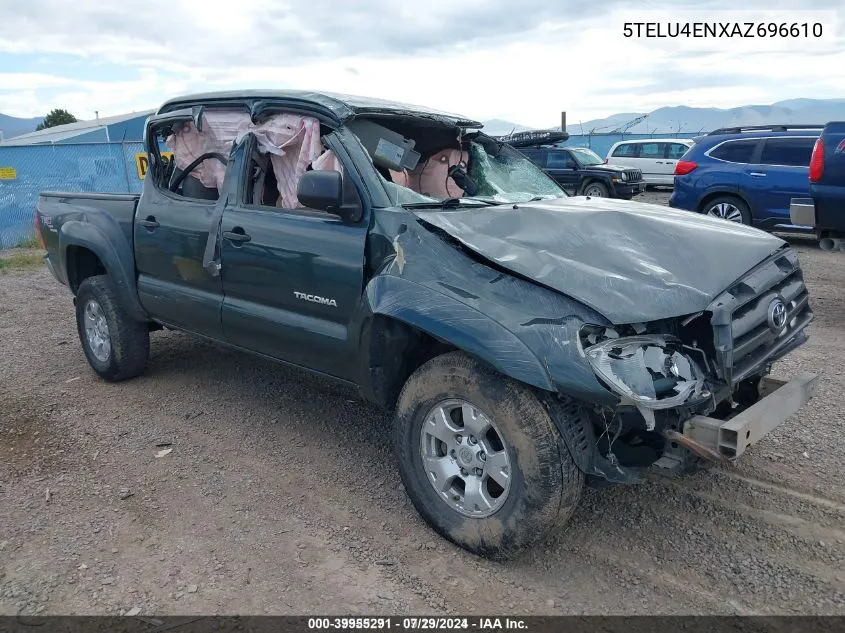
(280, 494)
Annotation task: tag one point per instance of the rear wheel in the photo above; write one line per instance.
(728, 208)
(117, 347)
(481, 459)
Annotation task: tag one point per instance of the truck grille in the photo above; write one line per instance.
(761, 317)
(633, 175)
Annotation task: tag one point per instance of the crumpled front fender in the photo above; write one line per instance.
(456, 323)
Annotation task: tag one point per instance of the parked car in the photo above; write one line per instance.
(655, 157)
(581, 170)
(746, 175)
(520, 336)
(824, 210)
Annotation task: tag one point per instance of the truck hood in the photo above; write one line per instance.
(606, 167)
(631, 262)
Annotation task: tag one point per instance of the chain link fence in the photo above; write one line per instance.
(601, 143)
(27, 170)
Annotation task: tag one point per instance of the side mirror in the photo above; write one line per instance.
(321, 190)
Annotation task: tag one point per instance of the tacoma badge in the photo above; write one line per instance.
(315, 299)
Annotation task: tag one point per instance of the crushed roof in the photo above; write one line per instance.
(340, 106)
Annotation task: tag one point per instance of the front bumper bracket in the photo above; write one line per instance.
(732, 437)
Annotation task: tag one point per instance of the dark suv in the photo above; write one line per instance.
(747, 175)
(581, 170)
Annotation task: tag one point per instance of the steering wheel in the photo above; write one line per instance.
(193, 165)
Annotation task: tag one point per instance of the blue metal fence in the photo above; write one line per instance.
(26, 170)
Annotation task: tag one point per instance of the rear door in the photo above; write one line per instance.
(561, 166)
(170, 231)
(780, 174)
(291, 277)
(734, 160)
(536, 156)
(674, 151)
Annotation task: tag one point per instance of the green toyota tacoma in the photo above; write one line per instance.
(528, 342)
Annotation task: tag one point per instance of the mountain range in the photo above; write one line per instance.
(13, 126)
(672, 119)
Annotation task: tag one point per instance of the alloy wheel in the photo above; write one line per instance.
(465, 458)
(97, 331)
(726, 211)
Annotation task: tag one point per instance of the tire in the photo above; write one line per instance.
(728, 208)
(543, 487)
(596, 190)
(117, 347)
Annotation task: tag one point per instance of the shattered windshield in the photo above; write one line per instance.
(585, 156)
(484, 172)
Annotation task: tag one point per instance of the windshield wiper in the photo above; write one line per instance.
(449, 202)
(539, 198)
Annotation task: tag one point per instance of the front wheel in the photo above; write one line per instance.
(116, 346)
(596, 190)
(481, 459)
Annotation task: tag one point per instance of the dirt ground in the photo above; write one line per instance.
(281, 495)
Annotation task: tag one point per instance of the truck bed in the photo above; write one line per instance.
(83, 213)
(829, 192)
(825, 208)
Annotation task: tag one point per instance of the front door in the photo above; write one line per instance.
(561, 166)
(170, 233)
(292, 279)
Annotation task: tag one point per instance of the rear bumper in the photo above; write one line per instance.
(731, 438)
(52, 269)
(802, 212)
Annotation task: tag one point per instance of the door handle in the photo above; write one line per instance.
(756, 173)
(149, 222)
(659, 162)
(236, 235)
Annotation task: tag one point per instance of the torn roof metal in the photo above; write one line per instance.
(341, 107)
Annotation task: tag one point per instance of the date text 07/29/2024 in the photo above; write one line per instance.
(416, 624)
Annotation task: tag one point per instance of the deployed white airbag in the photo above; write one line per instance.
(293, 142)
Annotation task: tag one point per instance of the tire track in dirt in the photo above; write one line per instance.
(769, 486)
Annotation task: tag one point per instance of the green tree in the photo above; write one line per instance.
(57, 116)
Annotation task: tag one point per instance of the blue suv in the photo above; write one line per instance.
(747, 175)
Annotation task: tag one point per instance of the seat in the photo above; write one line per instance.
(193, 188)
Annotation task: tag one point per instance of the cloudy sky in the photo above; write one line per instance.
(520, 60)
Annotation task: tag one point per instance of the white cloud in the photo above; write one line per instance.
(519, 61)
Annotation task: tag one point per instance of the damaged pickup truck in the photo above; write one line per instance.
(528, 342)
